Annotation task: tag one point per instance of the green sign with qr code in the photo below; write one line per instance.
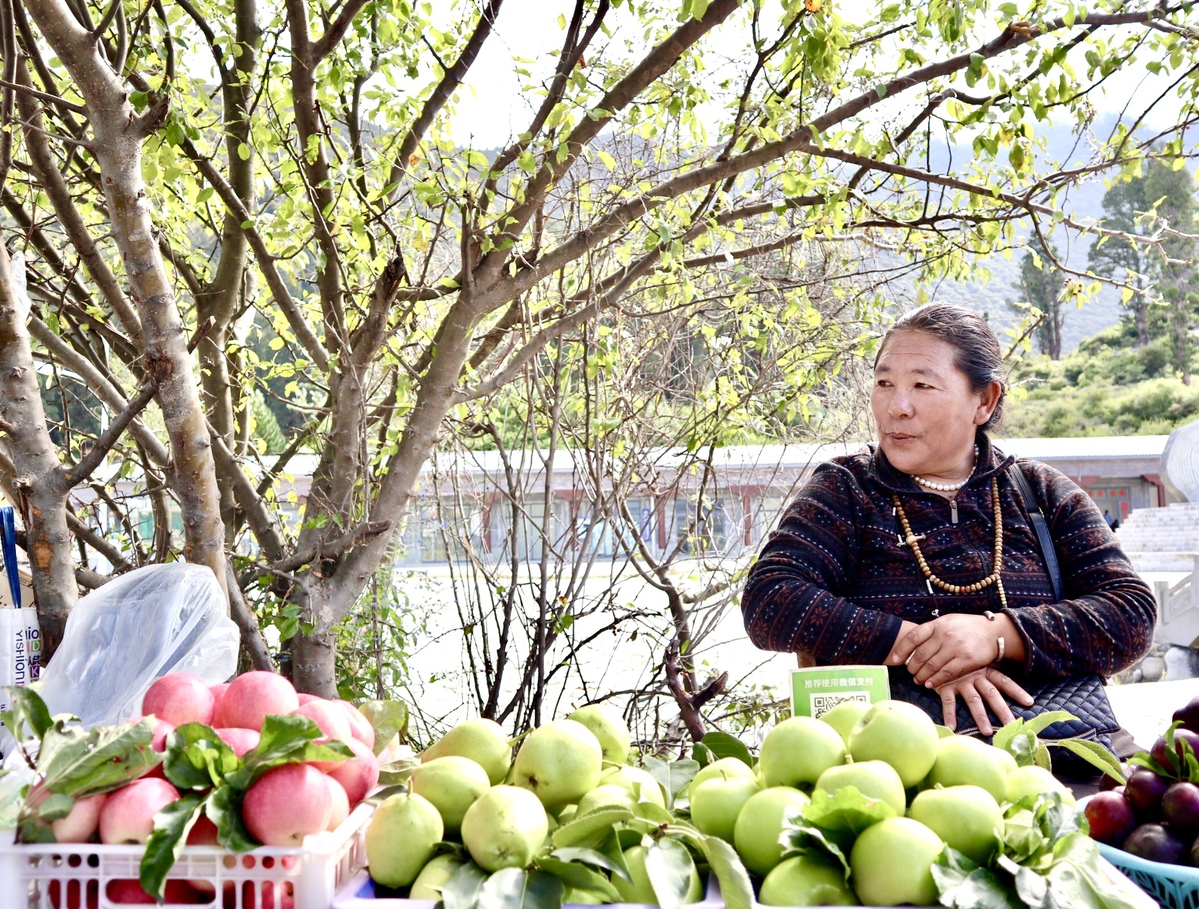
(818, 690)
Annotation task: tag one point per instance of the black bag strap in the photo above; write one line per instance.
(1042, 528)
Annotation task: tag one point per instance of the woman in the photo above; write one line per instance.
(919, 554)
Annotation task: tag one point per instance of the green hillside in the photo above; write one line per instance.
(1107, 386)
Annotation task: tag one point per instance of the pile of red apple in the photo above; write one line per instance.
(1155, 814)
(280, 808)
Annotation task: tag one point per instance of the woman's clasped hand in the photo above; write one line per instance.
(955, 655)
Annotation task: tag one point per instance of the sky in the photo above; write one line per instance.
(492, 107)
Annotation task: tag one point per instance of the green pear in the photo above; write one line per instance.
(451, 783)
(401, 838)
(639, 782)
(483, 741)
(559, 762)
(607, 724)
(434, 876)
(504, 828)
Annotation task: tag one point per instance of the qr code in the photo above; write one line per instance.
(823, 703)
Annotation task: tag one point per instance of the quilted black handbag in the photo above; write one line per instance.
(1083, 696)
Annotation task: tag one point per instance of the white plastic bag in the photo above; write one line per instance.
(144, 624)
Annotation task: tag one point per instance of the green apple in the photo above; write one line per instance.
(607, 724)
(640, 783)
(403, 832)
(1008, 759)
(798, 750)
(720, 769)
(604, 797)
(483, 741)
(451, 783)
(716, 804)
(844, 717)
(962, 759)
(640, 890)
(891, 863)
(504, 828)
(1031, 779)
(874, 779)
(899, 733)
(433, 877)
(968, 818)
(559, 762)
(760, 824)
(806, 880)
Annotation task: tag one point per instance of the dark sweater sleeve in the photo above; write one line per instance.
(1108, 617)
(792, 600)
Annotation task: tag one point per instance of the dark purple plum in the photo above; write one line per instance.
(1144, 791)
(1189, 714)
(1111, 817)
(1180, 806)
(1157, 843)
(1107, 782)
(1158, 750)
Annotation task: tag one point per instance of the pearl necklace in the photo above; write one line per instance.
(947, 487)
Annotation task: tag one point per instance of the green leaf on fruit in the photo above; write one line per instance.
(171, 827)
(722, 745)
(285, 740)
(964, 885)
(577, 856)
(197, 758)
(736, 889)
(461, 891)
(672, 776)
(515, 888)
(1097, 756)
(798, 837)
(389, 719)
(669, 867)
(223, 808)
(846, 810)
(27, 711)
(578, 877)
(55, 806)
(591, 829)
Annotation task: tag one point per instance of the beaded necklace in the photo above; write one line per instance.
(931, 579)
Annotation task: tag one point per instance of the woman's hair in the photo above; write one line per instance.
(978, 354)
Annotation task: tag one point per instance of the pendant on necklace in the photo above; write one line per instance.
(953, 511)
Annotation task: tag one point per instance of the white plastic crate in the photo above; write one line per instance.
(359, 893)
(76, 876)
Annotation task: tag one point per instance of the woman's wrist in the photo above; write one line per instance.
(1008, 643)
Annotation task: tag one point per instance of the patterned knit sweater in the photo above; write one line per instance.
(834, 581)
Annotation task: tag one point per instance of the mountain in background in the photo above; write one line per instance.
(1063, 144)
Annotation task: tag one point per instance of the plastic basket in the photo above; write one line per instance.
(1173, 886)
(76, 876)
(359, 893)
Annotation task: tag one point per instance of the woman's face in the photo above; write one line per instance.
(924, 407)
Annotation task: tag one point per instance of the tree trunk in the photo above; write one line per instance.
(37, 474)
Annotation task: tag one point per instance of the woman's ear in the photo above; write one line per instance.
(988, 400)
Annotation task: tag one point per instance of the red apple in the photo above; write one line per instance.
(332, 720)
(82, 821)
(240, 740)
(266, 895)
(304, 697)
(128, 891)
(360, 726)
(253, 696)
(158, 741)
(79, 894)
(360, 774)
(203, 832)
(286, 804)
(178, 698)
(218, 691)
(340, 801)
(128, 814)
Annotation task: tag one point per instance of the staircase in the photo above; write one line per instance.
(1161, 539)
